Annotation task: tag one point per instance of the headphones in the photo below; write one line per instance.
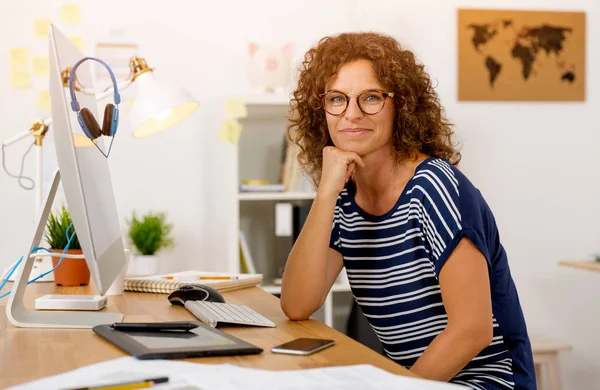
(86, 119)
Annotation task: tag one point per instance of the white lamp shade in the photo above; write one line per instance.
(158, 106)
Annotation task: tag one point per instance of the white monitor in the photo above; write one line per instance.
(87, 186)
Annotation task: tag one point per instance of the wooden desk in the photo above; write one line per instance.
(592, 265)
(28, 353)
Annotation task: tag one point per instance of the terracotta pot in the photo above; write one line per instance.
(71, 272)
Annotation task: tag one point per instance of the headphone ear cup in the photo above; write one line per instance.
(107, 124)
(93, 129)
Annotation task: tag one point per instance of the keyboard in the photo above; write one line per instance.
(215, 313)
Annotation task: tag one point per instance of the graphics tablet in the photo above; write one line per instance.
(201, 341)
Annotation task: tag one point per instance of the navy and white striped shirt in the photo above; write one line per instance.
(393, 262)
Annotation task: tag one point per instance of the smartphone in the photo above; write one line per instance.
(303, 346)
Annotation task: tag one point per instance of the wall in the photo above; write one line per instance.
(534, 162)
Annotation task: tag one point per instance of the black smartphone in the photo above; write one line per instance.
(303, 346)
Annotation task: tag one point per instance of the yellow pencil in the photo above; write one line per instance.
(214, 277)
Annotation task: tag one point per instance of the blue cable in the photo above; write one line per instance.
(69, 238)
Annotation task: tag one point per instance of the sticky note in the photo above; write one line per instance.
(77, 41)
(41, 66)
(230, 131)
(20, 78)
(70, 13)
(235, 108)
(19, 57)
(43, 100)
(41, 27)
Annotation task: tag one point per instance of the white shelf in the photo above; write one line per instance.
(276, 195)
(276, 289)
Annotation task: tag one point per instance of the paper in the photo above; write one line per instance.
(41, 27)
(70, 14)
(196, 376)
(20, 79)
(117, 56)
(283, 219)
(19, 57)
(235, 108)
(41, 66)
(77, 41)
(230, 131)
(43, 100)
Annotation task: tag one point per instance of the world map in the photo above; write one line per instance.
(525, 45)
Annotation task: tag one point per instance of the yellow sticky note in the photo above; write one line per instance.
(230, 131)
(70, 13)
(235, 108)
(43, 100)
(77, 41)
(41, 66)
(41, 27)
(19, 57)
(20, 78)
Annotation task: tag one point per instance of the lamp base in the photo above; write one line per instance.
(40, 266)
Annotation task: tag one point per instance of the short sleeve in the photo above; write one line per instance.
(449, 211)
(335, 238)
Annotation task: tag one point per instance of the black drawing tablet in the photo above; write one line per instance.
(201, 341)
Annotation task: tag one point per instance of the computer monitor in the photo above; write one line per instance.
(85, 176)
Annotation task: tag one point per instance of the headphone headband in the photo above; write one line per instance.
(74, 102)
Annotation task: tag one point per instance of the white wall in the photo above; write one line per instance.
(534, 162)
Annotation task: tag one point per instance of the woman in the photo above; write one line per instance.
(419, 243)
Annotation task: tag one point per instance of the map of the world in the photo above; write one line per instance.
(521, 55)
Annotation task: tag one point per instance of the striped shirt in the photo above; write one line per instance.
(393, 262)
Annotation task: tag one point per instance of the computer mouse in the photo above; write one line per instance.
(194, 293)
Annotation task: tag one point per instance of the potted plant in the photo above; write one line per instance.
(71, 272)
(148, 234)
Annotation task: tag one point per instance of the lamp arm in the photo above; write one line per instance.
(48, 121)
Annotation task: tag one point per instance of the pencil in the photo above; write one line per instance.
(214, 277)
(129, 385)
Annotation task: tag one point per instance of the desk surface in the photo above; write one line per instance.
(29, 354)
(592, 265)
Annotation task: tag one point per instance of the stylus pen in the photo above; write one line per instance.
(153, 326)
(141, 384)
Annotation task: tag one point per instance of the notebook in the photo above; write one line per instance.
(166, 283)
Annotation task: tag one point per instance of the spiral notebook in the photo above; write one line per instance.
(165, 284)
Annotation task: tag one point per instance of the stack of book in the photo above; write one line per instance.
(168, 283)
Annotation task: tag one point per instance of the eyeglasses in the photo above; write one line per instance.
(370, 101)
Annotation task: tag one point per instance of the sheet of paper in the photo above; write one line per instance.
(41, 66)
(77, 41)
(20, 79)
(230, 131)
(70, 13)
(19, 57)
(235, 108)
(41, 27)
(196, 376)
(43, 100)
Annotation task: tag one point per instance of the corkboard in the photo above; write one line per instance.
(521, 55)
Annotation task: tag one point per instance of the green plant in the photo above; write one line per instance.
(56, 230)
(150, 233)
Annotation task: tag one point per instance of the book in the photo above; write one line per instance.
(167, 283)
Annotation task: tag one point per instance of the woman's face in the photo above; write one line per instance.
(355, 131)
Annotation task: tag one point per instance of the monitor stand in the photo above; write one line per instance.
(21, 316)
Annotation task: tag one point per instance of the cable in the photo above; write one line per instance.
(20, 176)
(69, 238)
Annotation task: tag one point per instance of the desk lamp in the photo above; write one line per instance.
(156, 107)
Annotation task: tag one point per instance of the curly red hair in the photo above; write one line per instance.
(420, 126)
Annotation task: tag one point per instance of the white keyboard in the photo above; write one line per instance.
(214, 313)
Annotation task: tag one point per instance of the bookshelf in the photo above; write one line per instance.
(259, 156)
